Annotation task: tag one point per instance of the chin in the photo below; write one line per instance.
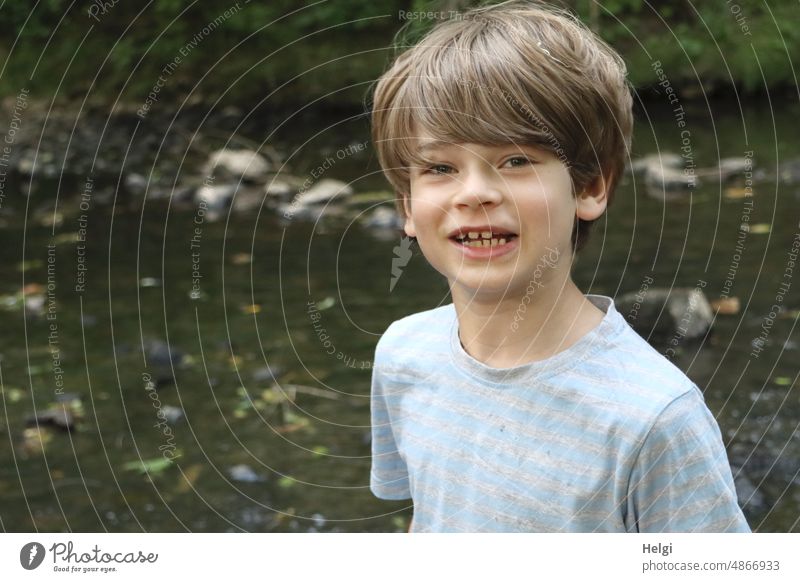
(487, 287)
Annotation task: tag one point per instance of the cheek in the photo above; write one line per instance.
(425, 210)
(549, 215)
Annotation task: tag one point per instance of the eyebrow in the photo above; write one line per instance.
(434, 144)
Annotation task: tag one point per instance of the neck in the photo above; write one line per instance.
(504, 332)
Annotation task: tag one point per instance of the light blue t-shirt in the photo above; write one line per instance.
(605, 436)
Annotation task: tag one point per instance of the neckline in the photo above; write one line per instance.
(583, 349)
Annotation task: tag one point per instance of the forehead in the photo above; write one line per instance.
(425, 144)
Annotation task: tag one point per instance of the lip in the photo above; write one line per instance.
(486, 252)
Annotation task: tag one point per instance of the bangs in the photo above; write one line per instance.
(464, 93)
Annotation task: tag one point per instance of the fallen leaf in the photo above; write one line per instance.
(285, 482)
(276, 395)
(27, 265)
(370, 197)
(65, 237)
(11, 394)
(11, 302)
(34, 440)
(188, 477)
(726, 305)
(736, 193)
(289, 428)
(150, 466)
(326, 303)
(241, 259)
(52, 219)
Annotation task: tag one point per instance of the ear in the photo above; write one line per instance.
(593, 200)
(409, 227)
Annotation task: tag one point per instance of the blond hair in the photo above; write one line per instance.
(516, 72)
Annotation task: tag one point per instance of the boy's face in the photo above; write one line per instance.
(520, 194)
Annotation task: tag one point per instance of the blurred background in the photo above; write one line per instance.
(198, 250)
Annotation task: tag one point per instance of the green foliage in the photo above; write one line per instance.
(140, 40)
(712, 42)
(321, 48)
(154, 466)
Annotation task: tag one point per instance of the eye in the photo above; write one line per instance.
(518, 162)
(438, 169)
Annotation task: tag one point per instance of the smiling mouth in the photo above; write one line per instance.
(483, 239)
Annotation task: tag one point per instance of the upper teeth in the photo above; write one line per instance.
(482, 239)
(474, 235)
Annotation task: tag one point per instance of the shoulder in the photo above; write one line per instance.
(627, 369)
(422, 327)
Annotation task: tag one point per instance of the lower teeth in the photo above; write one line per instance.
(481, 243)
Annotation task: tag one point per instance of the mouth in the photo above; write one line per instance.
(482, 237)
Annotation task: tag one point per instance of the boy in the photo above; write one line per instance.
(525, 405)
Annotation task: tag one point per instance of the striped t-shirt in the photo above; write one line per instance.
(605, 436)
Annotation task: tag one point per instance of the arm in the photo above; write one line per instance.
(389, 474)
(681, 480)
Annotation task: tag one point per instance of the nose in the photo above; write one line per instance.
(479, 187)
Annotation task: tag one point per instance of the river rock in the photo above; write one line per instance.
(163, 359)
(654, 161)
(664, 175)
(383, 218)
(729, 167)
(62, 414)
(661, 178)
(789, 172)
(136, 183)
(215, 199)
(245, 474)
(34, 306)
(248, 199)
(179, 195)
(267, 374)
(312, 213)
(667, 314)
(383, 223)
(172, 413)
(322, 192)
(279, 189)
(58, 417)
(747, 495)
(162, 354)
(238, 164)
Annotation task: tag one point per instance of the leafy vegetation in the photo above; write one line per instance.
(242, 51)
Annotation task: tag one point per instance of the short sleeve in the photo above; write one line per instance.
(389, 474)
(681, 480)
